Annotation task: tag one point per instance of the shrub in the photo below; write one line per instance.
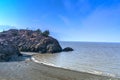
(39, 31)
(46, 33)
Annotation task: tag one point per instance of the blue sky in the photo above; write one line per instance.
(67, 20)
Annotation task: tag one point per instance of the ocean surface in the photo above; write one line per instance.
(91, 57)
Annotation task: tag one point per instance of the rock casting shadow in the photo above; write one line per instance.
(23, 57)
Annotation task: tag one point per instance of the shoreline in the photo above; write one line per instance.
(88, 75)
(29, 69)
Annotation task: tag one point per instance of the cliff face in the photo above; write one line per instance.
(31, 41)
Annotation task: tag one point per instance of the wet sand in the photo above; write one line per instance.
(27, 69)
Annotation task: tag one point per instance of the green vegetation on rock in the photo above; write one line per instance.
(46, 33)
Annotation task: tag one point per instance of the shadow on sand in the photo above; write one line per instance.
(23, 57)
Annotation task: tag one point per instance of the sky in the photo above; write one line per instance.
(67, 20)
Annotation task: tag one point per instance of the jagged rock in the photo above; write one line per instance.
(31, 41)
(8, 50)
(68, 49)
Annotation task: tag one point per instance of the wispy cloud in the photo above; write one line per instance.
(65, 20)
(6, 27)
(101, 24)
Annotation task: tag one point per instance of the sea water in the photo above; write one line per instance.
(91, 57)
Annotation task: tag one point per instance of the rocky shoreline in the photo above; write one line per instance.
(8, 51)
(13, 41)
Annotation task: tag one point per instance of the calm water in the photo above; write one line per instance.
(96, 58)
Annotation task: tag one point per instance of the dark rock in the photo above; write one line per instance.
(31, 41)
(8, 50)
(68, 49)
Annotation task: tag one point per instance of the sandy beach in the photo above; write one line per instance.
(26, 69)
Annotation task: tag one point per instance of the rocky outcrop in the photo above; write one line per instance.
(67, 49)
(8, 50)
(31, 41)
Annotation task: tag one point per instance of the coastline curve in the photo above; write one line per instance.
(96, 74)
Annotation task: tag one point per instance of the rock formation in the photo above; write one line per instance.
(8, 50)
(31, 41)
(67, 49)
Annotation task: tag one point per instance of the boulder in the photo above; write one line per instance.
(8, 51)
(31, 41)
(67, 49)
